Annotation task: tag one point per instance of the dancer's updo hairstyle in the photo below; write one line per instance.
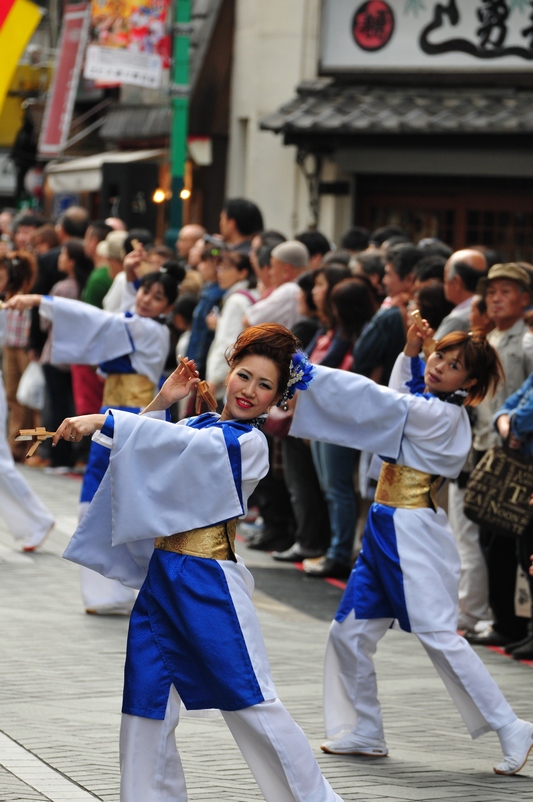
(270, 340)
(480, 360)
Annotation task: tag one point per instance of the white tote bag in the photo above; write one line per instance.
(30, 392)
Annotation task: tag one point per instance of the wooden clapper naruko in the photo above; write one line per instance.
(203, 393)
(37, 436)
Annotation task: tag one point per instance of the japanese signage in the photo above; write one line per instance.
(62, 94)
(480, 35)
(129, 43)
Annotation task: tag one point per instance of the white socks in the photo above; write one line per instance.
(516, 741)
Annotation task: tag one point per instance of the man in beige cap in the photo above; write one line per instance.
(287, 261)
(507, 292)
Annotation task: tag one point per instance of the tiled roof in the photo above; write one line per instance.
(322, 106)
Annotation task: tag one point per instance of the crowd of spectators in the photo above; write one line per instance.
(350, 306)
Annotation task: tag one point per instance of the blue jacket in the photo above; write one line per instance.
(201, 336)
(519, 407)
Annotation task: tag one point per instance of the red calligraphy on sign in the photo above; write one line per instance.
(373, 25)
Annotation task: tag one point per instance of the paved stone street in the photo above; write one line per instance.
(60, 693)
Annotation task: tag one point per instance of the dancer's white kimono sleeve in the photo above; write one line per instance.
(351, 410)
(85, 335)
(163, 478)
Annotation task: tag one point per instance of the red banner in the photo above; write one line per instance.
(5, 8)
(62, 94)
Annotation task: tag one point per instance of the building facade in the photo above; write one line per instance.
(413, 112)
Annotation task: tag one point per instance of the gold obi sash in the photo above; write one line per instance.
(213, 542)
(407, 488)
(128, 390)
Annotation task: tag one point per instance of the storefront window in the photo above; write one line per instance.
(459, 212)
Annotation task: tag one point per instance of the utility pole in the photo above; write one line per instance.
(180, 90)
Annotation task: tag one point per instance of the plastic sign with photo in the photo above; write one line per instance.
(129, 43)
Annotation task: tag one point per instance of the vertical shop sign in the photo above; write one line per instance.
(62, 94)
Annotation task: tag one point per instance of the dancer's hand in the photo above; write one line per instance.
(178, 385)
(131, 264)
(416, 334)
(74, 429)
(22, 302)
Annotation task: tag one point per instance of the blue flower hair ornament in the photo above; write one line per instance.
(301, 374)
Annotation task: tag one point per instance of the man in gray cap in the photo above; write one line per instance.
(287, 261)
(507, 291)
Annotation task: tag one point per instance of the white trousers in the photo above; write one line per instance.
(100, 594)
(350, 688)
(274, 747)
(23, 512)
(103, 595)
(473, 583)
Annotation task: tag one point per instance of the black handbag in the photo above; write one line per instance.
(498, 492)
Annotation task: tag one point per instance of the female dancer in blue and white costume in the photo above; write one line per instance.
(194, 634)
(131, 350)
(408, 569)
(23, 512)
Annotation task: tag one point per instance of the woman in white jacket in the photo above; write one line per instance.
(236, 277)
